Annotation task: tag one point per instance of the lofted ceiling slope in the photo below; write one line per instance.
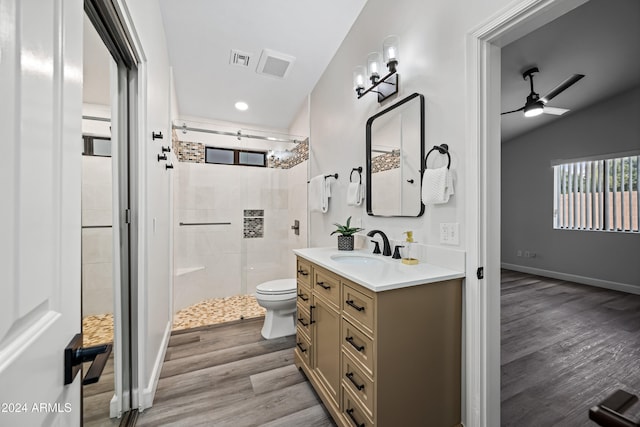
(201, 34)
(600, 39)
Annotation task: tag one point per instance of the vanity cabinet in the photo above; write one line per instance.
(384, 358)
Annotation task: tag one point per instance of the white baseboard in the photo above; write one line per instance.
(150, 390)
(616, 286)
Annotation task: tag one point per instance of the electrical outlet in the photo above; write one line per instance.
(527, 254)
(519, 253)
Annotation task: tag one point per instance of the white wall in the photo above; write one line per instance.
(610, 127)
(432, 62)
(155, 281)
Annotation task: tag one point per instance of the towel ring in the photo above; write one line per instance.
(359, 170)
(442, 149)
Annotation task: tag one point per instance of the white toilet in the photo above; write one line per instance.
(278, 297)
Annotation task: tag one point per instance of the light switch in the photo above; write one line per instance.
(449, 233)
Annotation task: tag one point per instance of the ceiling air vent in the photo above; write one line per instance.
(239, 58)
(274, 64)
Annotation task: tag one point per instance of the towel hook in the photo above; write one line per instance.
(442, 149)
(359, 170)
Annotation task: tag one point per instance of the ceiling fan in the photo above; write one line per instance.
(535, 105)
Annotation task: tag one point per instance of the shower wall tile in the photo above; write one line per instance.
(97, 245)
(97, 288)
(205, 192)
(97, 217)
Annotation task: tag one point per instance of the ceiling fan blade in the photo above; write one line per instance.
(512, 111)
(561, 87)
(554, 110)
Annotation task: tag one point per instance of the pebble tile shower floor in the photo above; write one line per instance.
(98, 329)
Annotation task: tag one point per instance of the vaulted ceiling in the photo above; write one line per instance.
(201, 35)
(600, 39)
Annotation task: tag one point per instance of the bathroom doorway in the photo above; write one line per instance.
(109, 212)
(237, 197)
(98, 268)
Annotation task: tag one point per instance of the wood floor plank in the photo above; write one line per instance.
(565, 347)
(231, 376)
(201, 361)
(259, 409)
(314, 416)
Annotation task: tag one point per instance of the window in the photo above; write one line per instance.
(95, 146)
(230, 156)
(597, 195)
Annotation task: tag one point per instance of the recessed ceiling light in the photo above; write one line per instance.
(242, 106)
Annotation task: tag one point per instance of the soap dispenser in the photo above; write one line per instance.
(409, 256)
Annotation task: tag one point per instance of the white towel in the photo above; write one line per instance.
(437, 186)
(354, 194)
(319, 193)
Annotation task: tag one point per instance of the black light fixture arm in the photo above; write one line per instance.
(362, 92)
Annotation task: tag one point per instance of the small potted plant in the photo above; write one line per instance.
(345, 240)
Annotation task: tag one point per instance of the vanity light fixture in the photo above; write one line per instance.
(384, 85)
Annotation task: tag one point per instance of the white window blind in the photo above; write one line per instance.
(597, 195)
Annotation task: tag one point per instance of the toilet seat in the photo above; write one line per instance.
(282, 287)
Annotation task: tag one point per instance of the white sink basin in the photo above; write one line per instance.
(357, 259)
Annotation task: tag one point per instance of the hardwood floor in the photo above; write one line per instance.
(565, 347)
(228, 375)
(96, 399)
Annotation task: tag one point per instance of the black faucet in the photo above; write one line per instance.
(386, 251)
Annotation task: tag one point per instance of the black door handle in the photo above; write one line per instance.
(75, 355)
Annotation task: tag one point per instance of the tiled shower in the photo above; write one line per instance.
(233, 231)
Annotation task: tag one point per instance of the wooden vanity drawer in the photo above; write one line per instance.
(358, 345)
(304, 296)
(355, 380)
(303, 320)
(358, 306)
(303, 348)
(327, 285)
(303, 268)
(353, 412)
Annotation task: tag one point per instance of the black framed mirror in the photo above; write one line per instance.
(395, 149)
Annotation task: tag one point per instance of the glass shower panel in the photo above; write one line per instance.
(233, 226)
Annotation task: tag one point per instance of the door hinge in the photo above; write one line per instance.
(127, 216)
(480, 273)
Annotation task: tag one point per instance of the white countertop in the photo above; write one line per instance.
(383, 276)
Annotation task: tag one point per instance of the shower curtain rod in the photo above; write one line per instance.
(238, 134)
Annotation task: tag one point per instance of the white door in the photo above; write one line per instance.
(40, 140)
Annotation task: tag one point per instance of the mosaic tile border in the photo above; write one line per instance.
(253, 212)
(194, 152)
(294, 157)
(385, 162)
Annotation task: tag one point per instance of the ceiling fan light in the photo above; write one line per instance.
(534, 109)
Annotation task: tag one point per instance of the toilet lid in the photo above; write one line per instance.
(277, 287)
